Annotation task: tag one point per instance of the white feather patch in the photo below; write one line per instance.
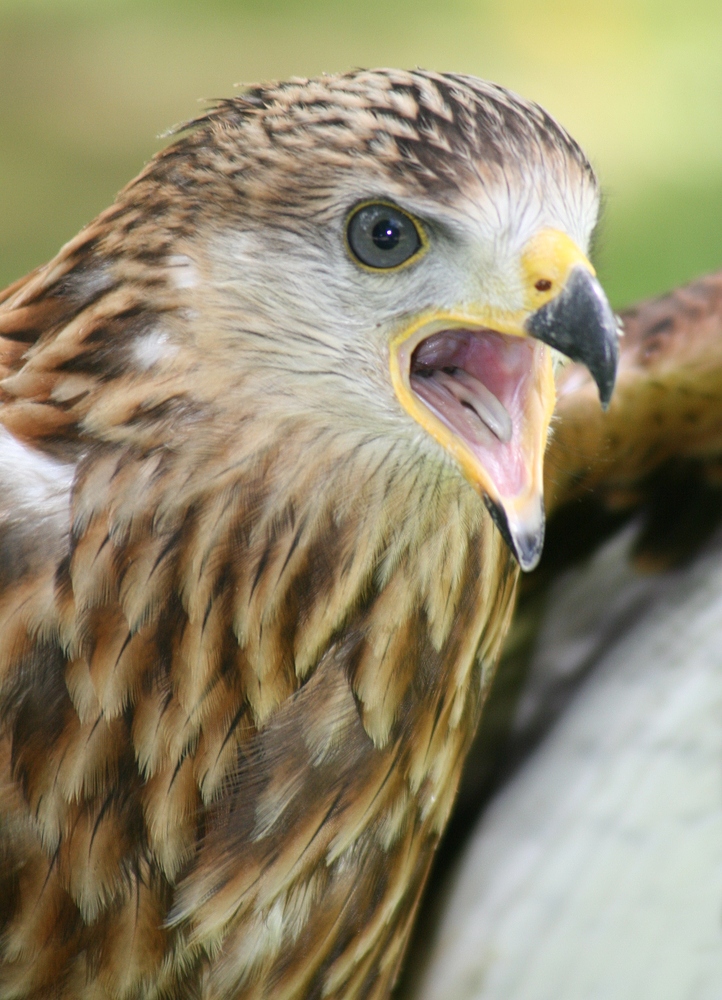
(151, 348)
(34, 488)
(183, 271)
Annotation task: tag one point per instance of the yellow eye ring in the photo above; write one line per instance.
(381, 237)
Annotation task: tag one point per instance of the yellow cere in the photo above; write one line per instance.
(546, 261)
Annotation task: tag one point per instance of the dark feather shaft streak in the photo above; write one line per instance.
(239, 680)
(245, 633)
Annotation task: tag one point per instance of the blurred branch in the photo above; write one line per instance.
(667, 403)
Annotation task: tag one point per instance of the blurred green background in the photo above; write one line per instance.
(86, 86)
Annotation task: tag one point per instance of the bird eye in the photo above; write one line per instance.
(382, 236)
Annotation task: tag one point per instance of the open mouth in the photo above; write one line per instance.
(487, 398)
(481, 385)
(480, 380)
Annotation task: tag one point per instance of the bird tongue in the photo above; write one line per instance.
(478, 383)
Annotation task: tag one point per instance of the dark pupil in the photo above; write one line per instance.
(386, 234)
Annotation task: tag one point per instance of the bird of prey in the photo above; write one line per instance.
(271, 454)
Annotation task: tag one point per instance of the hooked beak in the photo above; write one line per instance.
(480, 380)
(579, 322)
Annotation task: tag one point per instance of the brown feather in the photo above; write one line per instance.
(254, 611)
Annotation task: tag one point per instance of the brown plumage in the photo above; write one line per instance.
(249, 605)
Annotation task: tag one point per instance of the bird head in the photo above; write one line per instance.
(405, 254)
(397, 259)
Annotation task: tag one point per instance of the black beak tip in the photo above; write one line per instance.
(606, 373)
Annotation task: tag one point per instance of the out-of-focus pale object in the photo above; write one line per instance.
(596, 874)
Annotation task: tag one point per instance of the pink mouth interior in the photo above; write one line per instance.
(478, 382)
